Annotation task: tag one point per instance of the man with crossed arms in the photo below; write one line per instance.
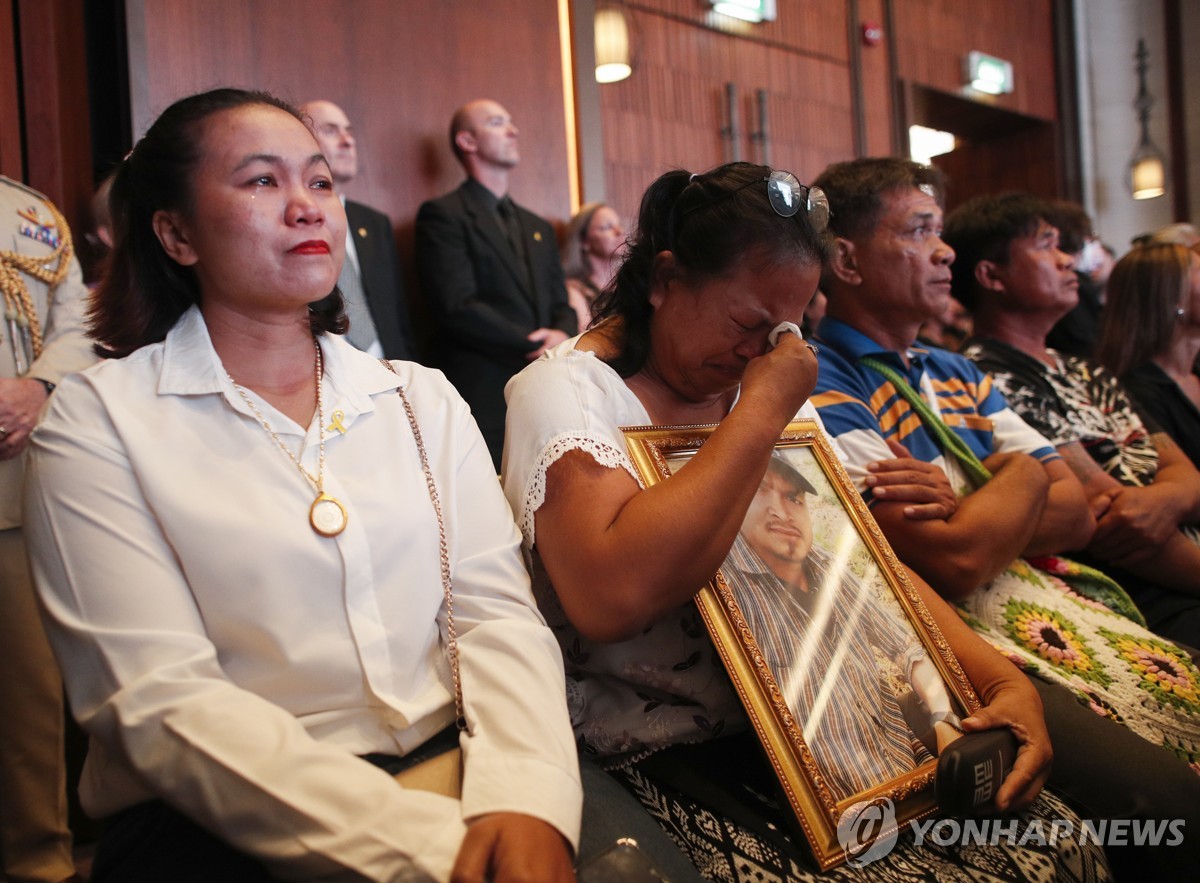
(889, 273)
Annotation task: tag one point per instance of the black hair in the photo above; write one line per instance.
(856, 189)
(574, 260)
(144, 291)
(1072, 222)
(710, 223)
(983, 229)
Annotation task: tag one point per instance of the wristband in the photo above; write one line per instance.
(946, 717)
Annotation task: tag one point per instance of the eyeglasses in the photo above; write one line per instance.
(786, 195)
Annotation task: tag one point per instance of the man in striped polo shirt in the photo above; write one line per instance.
(890, 272)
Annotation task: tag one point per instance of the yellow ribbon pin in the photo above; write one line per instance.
(337, 423)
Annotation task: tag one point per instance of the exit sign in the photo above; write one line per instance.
(986, 73)
(746, 10)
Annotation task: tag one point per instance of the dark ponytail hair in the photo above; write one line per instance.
(710, 223)
(144, 292)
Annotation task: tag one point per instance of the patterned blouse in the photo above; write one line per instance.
(1074, 400)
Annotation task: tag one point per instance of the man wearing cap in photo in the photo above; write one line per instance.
(817, 624)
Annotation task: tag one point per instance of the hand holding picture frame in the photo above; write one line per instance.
(849, 684)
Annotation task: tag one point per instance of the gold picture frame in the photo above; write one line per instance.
(833, 719)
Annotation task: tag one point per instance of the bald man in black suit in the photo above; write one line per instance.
(490, 271)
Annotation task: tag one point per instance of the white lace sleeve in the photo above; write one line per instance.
(571, 401)
(535, 489)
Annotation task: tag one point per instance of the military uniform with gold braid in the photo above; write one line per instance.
(42, 339)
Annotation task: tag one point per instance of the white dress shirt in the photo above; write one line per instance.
(226, 658)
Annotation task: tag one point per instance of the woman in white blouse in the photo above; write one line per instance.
(718, 261)
(235, 535)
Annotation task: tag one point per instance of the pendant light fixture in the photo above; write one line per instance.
(1147, 169)
(613, 53)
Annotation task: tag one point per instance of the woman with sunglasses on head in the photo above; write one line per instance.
(273, 568)
(718, 263)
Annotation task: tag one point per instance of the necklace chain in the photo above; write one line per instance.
(319, 480)
(431, 486)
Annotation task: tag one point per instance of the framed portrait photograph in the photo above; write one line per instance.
(850, 685)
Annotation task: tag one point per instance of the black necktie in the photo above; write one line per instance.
(512, 226)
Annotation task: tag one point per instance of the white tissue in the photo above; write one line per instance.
(783, 328)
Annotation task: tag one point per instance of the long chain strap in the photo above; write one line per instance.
(451, 632)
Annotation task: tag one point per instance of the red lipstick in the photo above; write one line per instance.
(312, 246)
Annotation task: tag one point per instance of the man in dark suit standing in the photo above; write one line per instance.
(490, 270)
(371, 283)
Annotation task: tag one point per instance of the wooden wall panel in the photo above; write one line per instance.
(671, 111)
(398, 67)
(12, 158)
(1013, 161)
(934, 36)
(802, 25)
(996, 150)
(877, 84)
(401, 66)
(53, 112)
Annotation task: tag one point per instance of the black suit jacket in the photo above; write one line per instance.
(382, 280)
(484, 305)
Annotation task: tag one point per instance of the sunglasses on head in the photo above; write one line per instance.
(787, 196)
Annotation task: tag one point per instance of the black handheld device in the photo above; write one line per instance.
(971, 769)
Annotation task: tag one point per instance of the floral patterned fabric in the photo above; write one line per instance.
(1079, 400)
(1119, 668)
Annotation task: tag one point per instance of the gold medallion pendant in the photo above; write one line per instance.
(327, 516)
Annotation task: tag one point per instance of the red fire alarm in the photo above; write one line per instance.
(872, 33)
